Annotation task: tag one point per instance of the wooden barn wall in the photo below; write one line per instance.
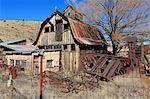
(49, 38)
(28, 58)
(84, 54)
(67, 37)
(55, 56)
(70, 59)
(45, 39)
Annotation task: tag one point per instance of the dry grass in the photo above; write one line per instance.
(129, 86)
(16, 29)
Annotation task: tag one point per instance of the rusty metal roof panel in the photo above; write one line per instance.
(85, 33)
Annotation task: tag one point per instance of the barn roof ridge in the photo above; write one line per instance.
(97, 39)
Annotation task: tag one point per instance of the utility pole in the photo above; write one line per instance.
(41, 72)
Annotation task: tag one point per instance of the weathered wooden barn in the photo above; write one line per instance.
(65, 38)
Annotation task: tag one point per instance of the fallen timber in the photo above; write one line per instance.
(107, 66)
(72, 84)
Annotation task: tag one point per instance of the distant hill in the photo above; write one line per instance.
(16, 29)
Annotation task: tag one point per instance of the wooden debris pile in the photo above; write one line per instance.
(107, 66)
(72, 84)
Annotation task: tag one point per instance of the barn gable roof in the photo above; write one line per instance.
(82, 33)
(46, 21)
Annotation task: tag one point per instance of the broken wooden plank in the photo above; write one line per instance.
(100, 66)
(112, 71)
(97, 64)
(105, 72)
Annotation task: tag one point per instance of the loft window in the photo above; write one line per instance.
(66, 26)
(69, 14)
(52, 28)
(46, 29)
(58, 36)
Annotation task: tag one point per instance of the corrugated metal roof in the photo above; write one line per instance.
(12, 41)
(18, 48)
(86, 34)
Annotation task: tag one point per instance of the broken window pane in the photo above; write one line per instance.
(49, 64)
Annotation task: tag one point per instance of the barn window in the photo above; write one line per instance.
(72, 47)
(49, 63)
(66, 26)
(69, 14)
(52, 28)
(58, 36)
(23, 63)
(18, 62)
(46, 29)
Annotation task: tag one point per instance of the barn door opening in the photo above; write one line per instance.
(59, 30)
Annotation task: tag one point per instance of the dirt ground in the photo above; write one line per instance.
(128, 86)
(146, 80)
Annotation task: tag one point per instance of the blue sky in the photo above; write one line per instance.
(29, 9)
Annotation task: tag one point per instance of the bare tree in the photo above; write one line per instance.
(115, 17)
